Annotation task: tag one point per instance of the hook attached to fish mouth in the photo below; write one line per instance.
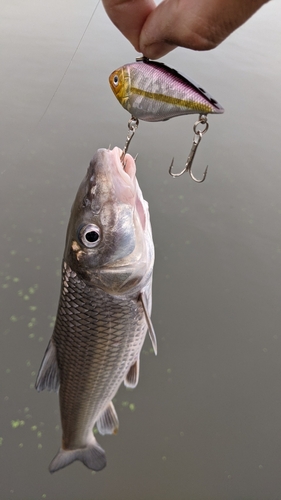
(198, 134)
(132, 126)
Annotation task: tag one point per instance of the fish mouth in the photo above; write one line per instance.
(127, 169)
(125, 180)
(126, 184)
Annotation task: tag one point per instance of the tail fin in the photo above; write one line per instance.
(93, 456)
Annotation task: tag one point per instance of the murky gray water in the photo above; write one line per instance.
(205, 421)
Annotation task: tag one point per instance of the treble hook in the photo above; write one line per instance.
(198, 134)
(132, 126)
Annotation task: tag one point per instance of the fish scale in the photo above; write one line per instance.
(112, 349)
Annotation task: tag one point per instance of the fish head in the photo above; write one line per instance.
(119, 81)
(109, 241)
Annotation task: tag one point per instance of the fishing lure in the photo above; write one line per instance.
(151, 91)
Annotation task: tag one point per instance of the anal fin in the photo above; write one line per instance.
(108, 422)
(151, 331)
(48, 375)
(132, 377)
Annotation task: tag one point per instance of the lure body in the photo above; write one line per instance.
(151, 91)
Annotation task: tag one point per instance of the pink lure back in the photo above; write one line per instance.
(151, 91)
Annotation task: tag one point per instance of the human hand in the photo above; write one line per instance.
(195, 24)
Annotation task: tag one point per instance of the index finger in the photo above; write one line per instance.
(129, 16)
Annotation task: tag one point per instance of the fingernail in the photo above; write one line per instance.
(158, 49)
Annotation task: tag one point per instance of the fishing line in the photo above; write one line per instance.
(69, 64)
(27, 140)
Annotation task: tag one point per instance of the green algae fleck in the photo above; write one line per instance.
(17, 423)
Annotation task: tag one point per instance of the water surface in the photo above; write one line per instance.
(205, 420)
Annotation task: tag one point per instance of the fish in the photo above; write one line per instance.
(104, 309)
(151, 91)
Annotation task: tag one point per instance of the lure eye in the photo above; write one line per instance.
(89, 235)
(115, 80)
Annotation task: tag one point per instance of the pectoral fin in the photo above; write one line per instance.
(108, 422)
(48, 375)
(132, 377)
(149, 323)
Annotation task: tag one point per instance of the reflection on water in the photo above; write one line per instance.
(205, 420)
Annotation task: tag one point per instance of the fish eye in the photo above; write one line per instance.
(89, 235)
(115, 80)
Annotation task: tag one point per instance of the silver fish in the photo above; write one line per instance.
(104, 307)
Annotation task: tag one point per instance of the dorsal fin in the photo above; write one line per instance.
(149, 323)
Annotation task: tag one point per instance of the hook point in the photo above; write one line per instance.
(198, 134)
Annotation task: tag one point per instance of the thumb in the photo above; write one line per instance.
(194, 24)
